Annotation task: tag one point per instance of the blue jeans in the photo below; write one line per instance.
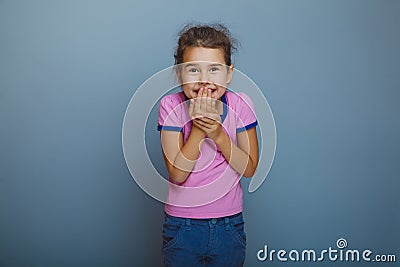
(204, 242)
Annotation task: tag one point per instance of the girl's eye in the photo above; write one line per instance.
(193, 70)
(214, 69)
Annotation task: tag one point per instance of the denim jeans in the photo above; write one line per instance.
(204, 242)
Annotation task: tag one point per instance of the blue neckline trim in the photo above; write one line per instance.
(225, 108)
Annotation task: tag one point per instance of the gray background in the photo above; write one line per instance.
(68, 69)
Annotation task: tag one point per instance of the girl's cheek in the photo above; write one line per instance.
(189, 78)
(220, 80)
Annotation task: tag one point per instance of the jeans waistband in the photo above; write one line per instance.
(219, 220)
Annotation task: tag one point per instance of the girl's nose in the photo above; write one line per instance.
(203, 79)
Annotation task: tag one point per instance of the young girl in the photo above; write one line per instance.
(207, 132)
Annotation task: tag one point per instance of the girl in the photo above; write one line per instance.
(206, 131)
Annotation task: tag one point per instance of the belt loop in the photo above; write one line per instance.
(227, 225)
(187, 223)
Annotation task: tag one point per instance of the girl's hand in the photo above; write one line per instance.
(204, 113)
(197, 107)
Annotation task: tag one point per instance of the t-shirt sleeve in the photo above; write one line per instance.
(247, 116)
(168, 114)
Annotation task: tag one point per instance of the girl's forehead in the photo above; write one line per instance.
(215, 55)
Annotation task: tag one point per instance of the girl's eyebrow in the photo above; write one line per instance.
(191, 65)
(196, 65)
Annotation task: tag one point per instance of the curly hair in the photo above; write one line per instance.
(206, 35)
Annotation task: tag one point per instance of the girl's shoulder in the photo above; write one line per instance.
(235, 99)
(173, 99)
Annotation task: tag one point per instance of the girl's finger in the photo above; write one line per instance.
(210, 120)
(195, 123)
(213, 105)
(191, 107)
(209, 108)
(203, 103)
(202, 123)
(197, 106)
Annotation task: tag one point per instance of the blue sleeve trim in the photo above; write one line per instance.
(245, 128)
(169, 128)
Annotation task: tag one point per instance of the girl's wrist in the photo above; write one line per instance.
(197, 132)
(220, 138)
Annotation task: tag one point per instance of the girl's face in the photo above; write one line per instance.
(204, 68)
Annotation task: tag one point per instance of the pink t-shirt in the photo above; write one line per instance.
(223, 197)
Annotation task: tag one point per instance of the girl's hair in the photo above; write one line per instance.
(206, 35)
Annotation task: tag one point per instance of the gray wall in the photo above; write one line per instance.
(68, 69)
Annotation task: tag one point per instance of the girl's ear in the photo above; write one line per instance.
(230, 73)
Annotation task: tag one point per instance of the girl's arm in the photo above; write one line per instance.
(243, 158)
(180, 158)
